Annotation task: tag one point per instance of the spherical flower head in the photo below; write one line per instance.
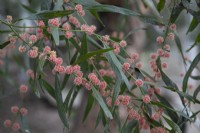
(12, 40)
(69, 70)
(78, 81)
(116, 49)
(171, 36)
(33, 38)
(54, 22)
(160, 52)
(153, 56)
(22, 49)
(16, 126)
(30, 73)
(7, 123)
(146, 99)
(59, 68)
(84, 27)
(117, 102)
(68, 34)
(164, 65)
(166, 55)
(172, 27)
(90, 30)
(46, 49)
(139, 83)
(76, 68)
(58, 61)
(156, 116)
(24, 111)
(102, 72)
(23, 88)
(66, 26)
(126, 66)
(79, 74)
(150, 91)
(88, 86)
(78, 7)
(40, 23)
(139, 65)
(9, 18)
(102, 85)
(105, 38)
(32, 53)
(14, 109)
(157, 90)
(74, 21)
(135, 56)
(167, 47)
(159, 40)
(126, 100)
(123, 43)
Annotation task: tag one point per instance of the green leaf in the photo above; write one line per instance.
(179, 46)
(173, 125)
(197, 90)
(88, 106)
(45, 15)
(193, 25)
(55, 34)
(195, 77)
(96, 15)
(188, 73)
(116, 66)
(197, 41)
(4, 44)
(84, 51)
(116, 89)
(47, 5)
(91, 54)
(29, 9)
(48, 88)
(161, 5)
(175, 13)
(59, 101)
(102, 103)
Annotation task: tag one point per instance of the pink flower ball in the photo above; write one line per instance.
(68, 34)
(14, 109)
(126, 66)
(69, 70)
(7, 123)
(146, 99)
(78, 81)
(157, 90)
(139, 83)
(153, 56)
(172, 27)
(123, 43)
(102, 85)
(135, 56)
(23, 88)
(171, 36)
(22, 49)
(66, 26)
(23, 111)
(32, 53)
(16, 126)
(109, 101)
(159, 40)
(33, 38)
(139, 65)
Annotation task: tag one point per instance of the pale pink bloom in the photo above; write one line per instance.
(33, 38)
(156, 116)
(12, 40)
(105, 38)
(153, 56)
(159, 40)
(40, 35)
(66, 26)
(40, 23)
(116, 49)
(171, 36)
(78, 81)
(157, 90)
(123, 43)
(23, 88)
(16, 126)
(30, 73)
(24, 111)
(59, 68)
(126, 100)
(39, 30)
(32, 53)
(76, 68)
(7, 123)
(102, 85)
(69, 70)
(166, 55)
(88, 86)
(164, 65)
(74, 21)
(22, 49)
(84, 27)
(9, 19)
(79, 74)
(78, 7)
(146, 99)
(68, 34)
(54, 22)
(150, 91)
(160, 52)
(46, 49)
(129, 60)
(139, 65)
(58, 61)
(158, 74)
(139, 83)
(14, 109)
(126, 66)
(172, 27)
(167, 47)
(102, 72)
(135, 56)
(117, 102)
